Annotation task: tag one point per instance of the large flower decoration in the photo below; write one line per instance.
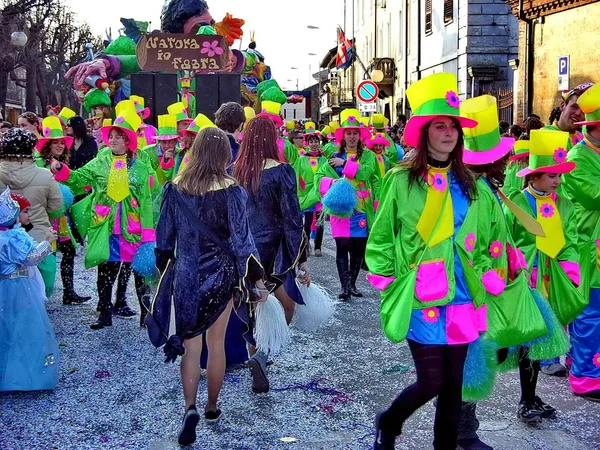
(547, 210)
(496, 249)
(134, 202)
(431, 315)
(470, 242)
(438, 182)
(596, 360)
(119, 120)
(379, 158)
(362, 223)
(313, 162)
(452, 99)
(47, 131)
(119, 164)
(560, 155)
(211, 48)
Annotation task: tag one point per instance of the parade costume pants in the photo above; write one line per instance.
(355, 249)
(439, 373)
(308, 220)
(107, 275)
(528, 373)
(67, 266)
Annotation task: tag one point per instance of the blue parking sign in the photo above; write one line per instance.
(563, 65)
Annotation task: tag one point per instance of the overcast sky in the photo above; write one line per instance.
(285, 42)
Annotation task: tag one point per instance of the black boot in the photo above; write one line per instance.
(105, 318)
(122, 309)
(355, 265)
(70, 297)
(343, 272)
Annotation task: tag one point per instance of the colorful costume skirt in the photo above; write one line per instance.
(353, 226)
(585, 350)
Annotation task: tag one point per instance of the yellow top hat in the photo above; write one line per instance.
(52, 130)
(272, 110)
(589, 102)
(379, 121)
(138, 103)
(125, 105)
(364, 121)
(350, 119)
(65, 114)
(520, 149)
(483, 143)
(167, 128)
(127, 121)
(186, 82)
(334, 125)
(290, 125)
(326, 130)
(310, 128)
(178, 110)
(200, 122)
(249, 113)
(547, 153)
(431, 97)
(107, 122)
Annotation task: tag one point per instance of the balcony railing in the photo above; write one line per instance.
(387, 66)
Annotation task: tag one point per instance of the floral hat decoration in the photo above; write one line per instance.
(138, 102)
(589, 102)
(377, 139)
(350, 120)
(547, 153)
(520, 150)
(483, 143)
(310, 129)
(431, 97)
(52, 131)
(167, 128)
(128, 122)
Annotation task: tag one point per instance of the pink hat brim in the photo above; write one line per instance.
(415, 123)
(364, 133)
(42, 141)
(584, 123)
(314, 133)
(145, 112)
(185, 132)
(487, 157)
(132, 135)
(187, 121)
(565, 167)
(379, 141)
(519, 156)
(274, 117)
(167, 137)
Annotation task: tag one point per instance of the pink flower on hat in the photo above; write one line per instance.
(452, 99)
(496, 249)
(211, 49)
(351, 119)
(547, 210)
(431, 315)
(596, 360)
(560, 156)
(119, 120)
(470, 242)
(47, 131)
(438, 182)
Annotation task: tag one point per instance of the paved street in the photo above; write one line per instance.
(115, 391)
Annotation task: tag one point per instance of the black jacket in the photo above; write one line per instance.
(84, 154)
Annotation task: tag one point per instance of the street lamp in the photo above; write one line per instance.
(18, 39)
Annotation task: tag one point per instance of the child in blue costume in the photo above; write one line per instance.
(29, 356)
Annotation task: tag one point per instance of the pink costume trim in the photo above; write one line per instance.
(375, 205)
(150, 132)
(516, 260)
(151, 181)
(583, 385)
(148, 235)
(379, 281)
(464, 323)
(167, 166)
(572, 270)
(63, 174)
(324, 185)
(492, 282)
(87, 188)
(102, 210)
(350, 168)
(534, 277)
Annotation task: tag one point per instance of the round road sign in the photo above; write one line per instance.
(367, 91)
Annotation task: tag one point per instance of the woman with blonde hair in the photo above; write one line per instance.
(207, 257)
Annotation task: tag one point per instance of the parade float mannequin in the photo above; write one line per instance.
(517, 161)
(29, 353)
(310, 201)
(582, 188)
(351, 168)
(174, 160)
(54, 145)
(97, 103)
(121, 221)
(146, 132)
(186, 97)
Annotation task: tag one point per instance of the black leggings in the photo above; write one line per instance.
(67, 265)
(528, 373)
(107, 274)
(439, 373)
(308, 219)
(355, 248)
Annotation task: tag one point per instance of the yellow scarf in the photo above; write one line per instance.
(118, 179)
(549, 218)
(380, 164)
(184, 161)
(438, 187)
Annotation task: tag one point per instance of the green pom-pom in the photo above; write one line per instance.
(553, 344)
(206, 30)
(275, 95)
(264, 85)
(512, 360)
(95, 97)
(480, 369)
(123, 45)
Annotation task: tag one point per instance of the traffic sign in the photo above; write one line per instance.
(367, 107)
(367, 91)
(563, 73)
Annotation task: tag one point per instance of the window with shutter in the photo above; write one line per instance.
(428, 17)
(448, 11)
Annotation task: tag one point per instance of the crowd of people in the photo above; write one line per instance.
(213, 218)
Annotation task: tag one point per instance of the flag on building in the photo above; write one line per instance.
(344, 51)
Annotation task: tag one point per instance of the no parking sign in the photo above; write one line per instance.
(367, 91)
